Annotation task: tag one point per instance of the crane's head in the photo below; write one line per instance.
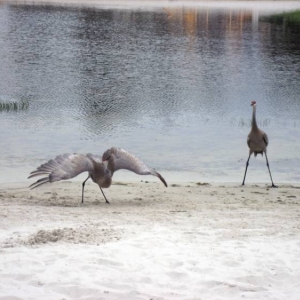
(253, 103)
(106, 155)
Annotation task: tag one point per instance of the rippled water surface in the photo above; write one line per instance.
(172, 85)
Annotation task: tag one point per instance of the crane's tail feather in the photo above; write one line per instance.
(161, 178)
(39, 182)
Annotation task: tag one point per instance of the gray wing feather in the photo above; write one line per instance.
(63, 167)
(248, 141)
(265, 138)
(125, 160)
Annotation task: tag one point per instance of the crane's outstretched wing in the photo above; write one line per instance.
(125, 160)
(62, 167)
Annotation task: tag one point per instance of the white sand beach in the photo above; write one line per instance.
(187, 241)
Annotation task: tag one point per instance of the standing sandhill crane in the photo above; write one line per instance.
(100, 169)
(257, 142)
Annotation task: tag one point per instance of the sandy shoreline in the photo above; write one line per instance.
(187, 241)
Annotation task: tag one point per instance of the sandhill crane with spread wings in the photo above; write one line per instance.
(257, 142)
(100, 169)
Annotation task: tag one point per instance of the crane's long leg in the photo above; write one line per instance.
(247, 164)
(104, 196)
(273, 185)
(83, 184)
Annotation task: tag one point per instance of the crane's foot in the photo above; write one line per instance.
(274, 186)
(107, 202)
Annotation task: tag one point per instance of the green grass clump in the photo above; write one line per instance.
(289, 18)
(13, 106)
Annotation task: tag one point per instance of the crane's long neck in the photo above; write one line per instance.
(254, 124)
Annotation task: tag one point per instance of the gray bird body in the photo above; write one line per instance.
(257, 139)
(257, 142)
(100, 169)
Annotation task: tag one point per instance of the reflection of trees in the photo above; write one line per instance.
(193, 19)
(280, 48)
(136, 63)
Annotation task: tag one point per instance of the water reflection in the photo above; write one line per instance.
(175, 81)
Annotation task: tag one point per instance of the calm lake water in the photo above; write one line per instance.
(173, 85)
